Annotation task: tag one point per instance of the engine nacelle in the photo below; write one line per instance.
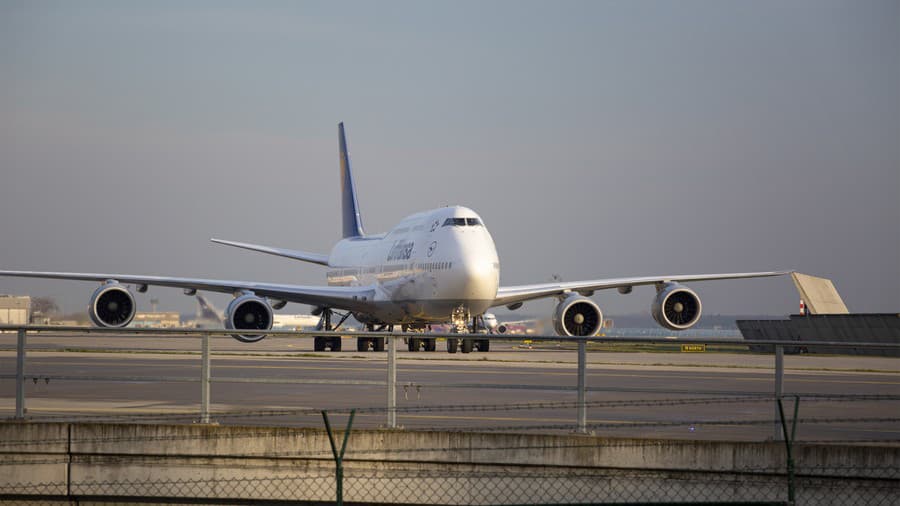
(249, 312)
(112, 305)
(577, 316)
(676, 307)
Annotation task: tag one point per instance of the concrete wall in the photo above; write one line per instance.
(165, 461)
(846, 328)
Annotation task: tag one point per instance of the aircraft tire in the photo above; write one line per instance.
(362, 344)
(379, 344)
(335, 343)
(452, 344)
(468, 345)
(318, 343)
(484, 345)
(412, 344)
(430, 344)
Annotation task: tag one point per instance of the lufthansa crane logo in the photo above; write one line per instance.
(401, 250)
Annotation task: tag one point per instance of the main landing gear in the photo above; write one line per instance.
(461, 324)
(419, 343)
(376, 343)
(332, 342)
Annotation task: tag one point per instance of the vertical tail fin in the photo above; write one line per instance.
(349, 206)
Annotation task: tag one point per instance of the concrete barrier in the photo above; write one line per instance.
(141, 463)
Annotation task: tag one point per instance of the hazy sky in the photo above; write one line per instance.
(596, 139)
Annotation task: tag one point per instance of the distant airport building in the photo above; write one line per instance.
(15, 310)
(163, 319)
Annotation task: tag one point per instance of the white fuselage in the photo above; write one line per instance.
(429, 265)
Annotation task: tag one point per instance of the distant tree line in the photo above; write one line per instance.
(44, 306)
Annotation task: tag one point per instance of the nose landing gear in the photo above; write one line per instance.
(460, 324)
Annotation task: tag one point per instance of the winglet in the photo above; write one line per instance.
(350, 207)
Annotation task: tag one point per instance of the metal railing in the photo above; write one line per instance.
(390, 381)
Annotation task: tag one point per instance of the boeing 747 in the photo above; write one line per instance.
(436, 266)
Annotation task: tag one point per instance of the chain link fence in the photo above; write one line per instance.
(143, 464)
(483, 486)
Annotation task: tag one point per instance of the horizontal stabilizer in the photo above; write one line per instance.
(305, 256)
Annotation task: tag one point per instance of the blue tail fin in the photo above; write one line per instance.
(350, 207)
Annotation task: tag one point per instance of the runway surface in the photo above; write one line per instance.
(511, 388)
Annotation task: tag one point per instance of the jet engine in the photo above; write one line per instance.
(676, 307)
(577, 316)
(112, 305)
(364, 318)
(248, 312)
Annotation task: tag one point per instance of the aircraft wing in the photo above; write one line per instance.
(339, 297)
(509, 295)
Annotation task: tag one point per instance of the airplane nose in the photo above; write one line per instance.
(479, 280)
(475, 270)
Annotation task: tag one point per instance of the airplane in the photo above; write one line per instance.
(517, 326)
(490, 322)
(207, 314)
(436, 266)
(297, 321)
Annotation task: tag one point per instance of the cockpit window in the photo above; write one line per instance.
(462, 222)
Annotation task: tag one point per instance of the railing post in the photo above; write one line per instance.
(789, 444)
(204, 379)
(392, 382)
(338, 456)
(20, 374)
(779, 388)
(582, 374)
